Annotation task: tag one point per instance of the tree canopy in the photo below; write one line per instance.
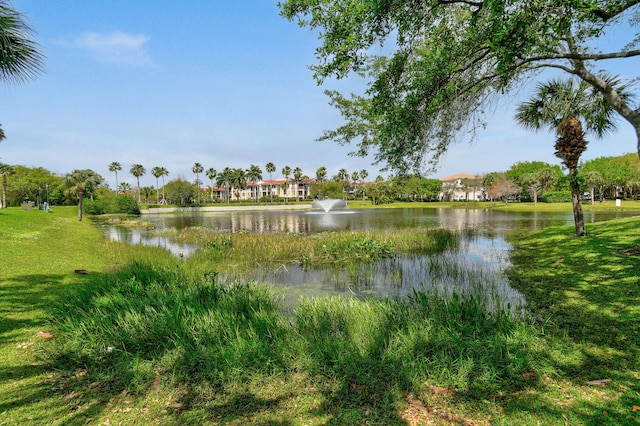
(20, 57)
(449, 60)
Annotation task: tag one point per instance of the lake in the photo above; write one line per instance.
(475, 267)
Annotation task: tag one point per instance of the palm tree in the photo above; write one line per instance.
(20, 58)
(157, 172)
(5, 170)
(355, 176)
(138, 170)
(270, 168)
(562, 105)
(147, 191)
(80, 183)
(321, 174)
(197, 169)
(297, 178)
(124, 187)
(286, 171)
(238, 181)
(343, 177)
(224, 180)
(164, 172)
(211, 174)
(254, 173)
(115, 167)
(363, 176)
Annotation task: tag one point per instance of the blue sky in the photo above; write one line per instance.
(224, 83)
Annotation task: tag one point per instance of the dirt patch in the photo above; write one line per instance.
(630, 251)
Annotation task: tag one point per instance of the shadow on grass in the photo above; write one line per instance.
(361, 364)
(590, 294)
(25, 298)
(29, 386)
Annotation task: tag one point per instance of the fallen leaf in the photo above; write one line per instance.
(44, 335)
(599, 382)
(438, 389)
(156, 382)
(636, 408)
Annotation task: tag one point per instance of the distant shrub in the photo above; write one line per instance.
(268, 198)
(121, 204)
(556, 197)
(126, 204)
(95, 206)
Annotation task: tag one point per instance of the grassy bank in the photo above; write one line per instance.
(607, 206)
(39, 253)
(149, 339)
(589, 292)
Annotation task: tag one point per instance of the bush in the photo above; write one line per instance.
(126, 204)
(556, 197)
(121, 204)
(95, 206)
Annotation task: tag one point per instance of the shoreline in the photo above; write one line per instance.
(160, 210)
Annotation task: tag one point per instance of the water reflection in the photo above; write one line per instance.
(498, 223)
(475, 267)
(142, 236)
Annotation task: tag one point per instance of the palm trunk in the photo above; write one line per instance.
(163, 199)
(3, 205)
(80, 198)
(578, 216)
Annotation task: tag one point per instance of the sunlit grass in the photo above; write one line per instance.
(608, 206)
(147, 322)
(149, 338)
(590, 292)
(244, 251)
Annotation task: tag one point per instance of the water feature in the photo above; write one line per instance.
(481, 257)
(329, 204)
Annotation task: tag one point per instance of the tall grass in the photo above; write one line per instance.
(146, 320)
(244, 251)
(128, 329)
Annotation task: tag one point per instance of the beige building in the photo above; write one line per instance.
(462, 187)
(266, 188)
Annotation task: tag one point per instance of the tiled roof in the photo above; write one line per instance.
(458, 176)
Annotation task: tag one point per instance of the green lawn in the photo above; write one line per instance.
(588, 291)
(39, 253)
(576, 360)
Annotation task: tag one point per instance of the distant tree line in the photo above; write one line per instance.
(601, 178)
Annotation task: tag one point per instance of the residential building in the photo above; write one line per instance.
(462, 187)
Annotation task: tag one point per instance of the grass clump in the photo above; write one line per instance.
(145, 321)
(244, 251)
(145, 325)
(146, 338)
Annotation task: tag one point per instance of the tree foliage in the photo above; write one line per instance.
(181, 192)
(20, 56)
(449, 60)
(32, 183)
(81, 183)
(563, 105)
